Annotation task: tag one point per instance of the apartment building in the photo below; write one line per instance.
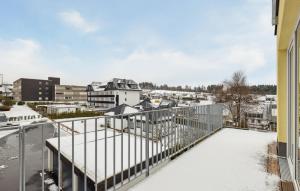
(70, 93)
(6, 90)
(34, 89)
(106, 95)
(255, 117)
(287, 30)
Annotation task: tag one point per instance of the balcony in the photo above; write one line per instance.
(172, 149)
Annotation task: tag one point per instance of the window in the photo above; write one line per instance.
(40, 98)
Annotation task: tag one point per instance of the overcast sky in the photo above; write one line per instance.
(190, 42)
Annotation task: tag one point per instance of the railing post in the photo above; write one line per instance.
(21, 159)
(208, 119)
(147, 144)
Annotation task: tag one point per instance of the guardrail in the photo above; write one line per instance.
(107, 152)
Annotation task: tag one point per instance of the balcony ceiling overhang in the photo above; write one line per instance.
(288, 15)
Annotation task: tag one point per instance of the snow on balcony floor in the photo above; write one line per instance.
(230, 160)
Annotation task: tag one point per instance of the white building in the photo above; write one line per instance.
(62, 108)
(21, 115)
(6, 90)
(120, 110)
(113, 93)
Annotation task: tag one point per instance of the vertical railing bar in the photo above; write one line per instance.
(189, 127)
(24, 158)
(105, 154)
(122, 176)
(180, 130)
(20, 159)
(176, 131)
(156, 132)
(169, 118)
(135, 167)
(192, 126)
(96, 155)
(59, 164)
(165, 141)
(114, 152)
(73, 156)
(184, 128)
(128, 127)
(147, 145)
(85, 176)
(160, 130)
(197, 124)
(43, 159)
(141, 144)
(172, 130)
(152, 140)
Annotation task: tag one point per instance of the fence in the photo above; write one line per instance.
(107, 152)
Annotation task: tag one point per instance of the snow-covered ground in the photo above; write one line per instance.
(230, 160)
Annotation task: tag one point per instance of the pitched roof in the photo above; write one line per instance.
(115, 84)
(121, 109)
(145, 105)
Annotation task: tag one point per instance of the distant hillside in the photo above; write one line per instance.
(255, 89)
(263, 89)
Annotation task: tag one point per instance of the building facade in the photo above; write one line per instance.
(287, 29)
(6, 90)
(34, 89)
(70, 93)
(113, 93)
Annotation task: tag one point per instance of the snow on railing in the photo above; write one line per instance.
(107, 152)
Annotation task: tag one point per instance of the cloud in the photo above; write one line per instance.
(178, 67)
(23, 58)
(74, 18)
(246, 44)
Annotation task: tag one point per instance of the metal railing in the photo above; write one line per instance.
(107, 152)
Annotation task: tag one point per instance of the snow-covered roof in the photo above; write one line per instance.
(62, 106)
(167, 103)
(66, 151)
(19, 110)
(145, 105)
(121, 109)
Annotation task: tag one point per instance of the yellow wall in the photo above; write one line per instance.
(281, 95)
(288, 15)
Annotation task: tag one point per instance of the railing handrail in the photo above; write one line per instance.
(174, 129)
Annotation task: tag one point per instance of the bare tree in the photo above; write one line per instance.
(236, 93)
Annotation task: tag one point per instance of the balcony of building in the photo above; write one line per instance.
(167, 149)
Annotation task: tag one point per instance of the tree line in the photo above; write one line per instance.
(215, 88)
(152, 86)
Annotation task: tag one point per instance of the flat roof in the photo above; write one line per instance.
(66, 151)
